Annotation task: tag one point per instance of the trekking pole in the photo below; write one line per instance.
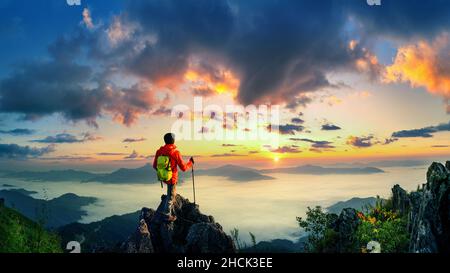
(193, 183)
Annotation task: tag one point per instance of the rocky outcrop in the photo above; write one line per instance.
(140, 241)
(400, 200)
(345, 226)
(428, 211)
(192, 232)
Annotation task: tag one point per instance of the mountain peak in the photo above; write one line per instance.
(192, 232)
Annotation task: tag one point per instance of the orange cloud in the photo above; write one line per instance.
(423, 65)
(217, 79)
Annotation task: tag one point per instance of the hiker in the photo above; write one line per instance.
(165, 163)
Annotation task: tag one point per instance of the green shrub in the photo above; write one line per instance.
(321, 238)
(386, 227)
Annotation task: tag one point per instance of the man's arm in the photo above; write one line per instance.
(183, 166)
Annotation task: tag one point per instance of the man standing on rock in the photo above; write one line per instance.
(165, 163)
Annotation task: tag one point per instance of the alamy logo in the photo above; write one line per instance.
(73, 2)
(373, 2)
(73, 247)
(373, 247)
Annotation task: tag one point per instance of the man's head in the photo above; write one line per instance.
(169, 138)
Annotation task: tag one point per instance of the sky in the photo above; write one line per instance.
(94, 85)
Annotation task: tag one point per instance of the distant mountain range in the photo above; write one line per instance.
(54, 213)
(317, 170)
(52, 176)
(235, 173)
(147, 175)
(387, 164)
(354, 203)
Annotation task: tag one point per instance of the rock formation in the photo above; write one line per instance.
(428, 211)
(346, 225)
(192, 232)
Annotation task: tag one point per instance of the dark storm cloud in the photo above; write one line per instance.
(62, 86)
(18, 132)
(39, 89)
(14, 151)
(426, 132)
(290, 129)
(273, 46)
(402, 18)
(279, 51)
(330, 127)
(180, 27)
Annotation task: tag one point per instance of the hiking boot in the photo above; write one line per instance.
(171, 218)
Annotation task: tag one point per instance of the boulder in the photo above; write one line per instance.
(192, 232)
(208, 238)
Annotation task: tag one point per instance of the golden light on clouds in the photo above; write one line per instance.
(423, 65)
(219, 81)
